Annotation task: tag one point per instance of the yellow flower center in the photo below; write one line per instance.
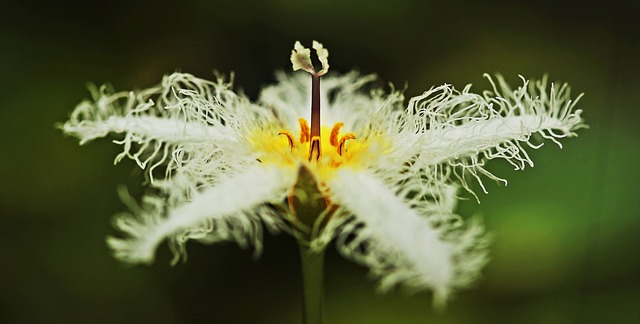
(322, 155)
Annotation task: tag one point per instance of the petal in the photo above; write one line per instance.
(232, 200)
(181, 114)
(174, 131)
(404, 246)
(463, 129)
(450, 143)
(177, 110)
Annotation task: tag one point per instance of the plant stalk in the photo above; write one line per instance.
(307, 206)
(313, 284)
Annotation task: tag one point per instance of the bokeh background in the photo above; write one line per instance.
(567, 236)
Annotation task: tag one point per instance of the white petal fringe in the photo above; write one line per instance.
(401, 246)
(232, 200)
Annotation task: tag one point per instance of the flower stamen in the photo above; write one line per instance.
(346, 137)
(305, 135)
(335, 131)
(292, 143)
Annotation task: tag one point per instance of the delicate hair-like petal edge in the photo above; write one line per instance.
(461, 130)
(238, 199)
(402, 247)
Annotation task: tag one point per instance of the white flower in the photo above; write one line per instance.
(377, 177)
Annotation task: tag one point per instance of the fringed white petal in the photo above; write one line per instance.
(179, 115)
(401, 246)
(183, 104)
(463, 130)
(493, 138)
(141, 128)
(230, 202)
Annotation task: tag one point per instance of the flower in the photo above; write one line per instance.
(379, 178)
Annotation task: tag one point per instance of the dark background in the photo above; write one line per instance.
(567, 231)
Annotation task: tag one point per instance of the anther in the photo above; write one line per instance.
(292, 144)
(305, 135)
(346, 137)
(334, 134)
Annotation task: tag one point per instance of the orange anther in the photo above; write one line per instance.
(305, 134)
(334, 134)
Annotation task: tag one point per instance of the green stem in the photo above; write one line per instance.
(307, 205)
(313, 284)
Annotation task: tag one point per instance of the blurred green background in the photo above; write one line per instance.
(567, 231)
